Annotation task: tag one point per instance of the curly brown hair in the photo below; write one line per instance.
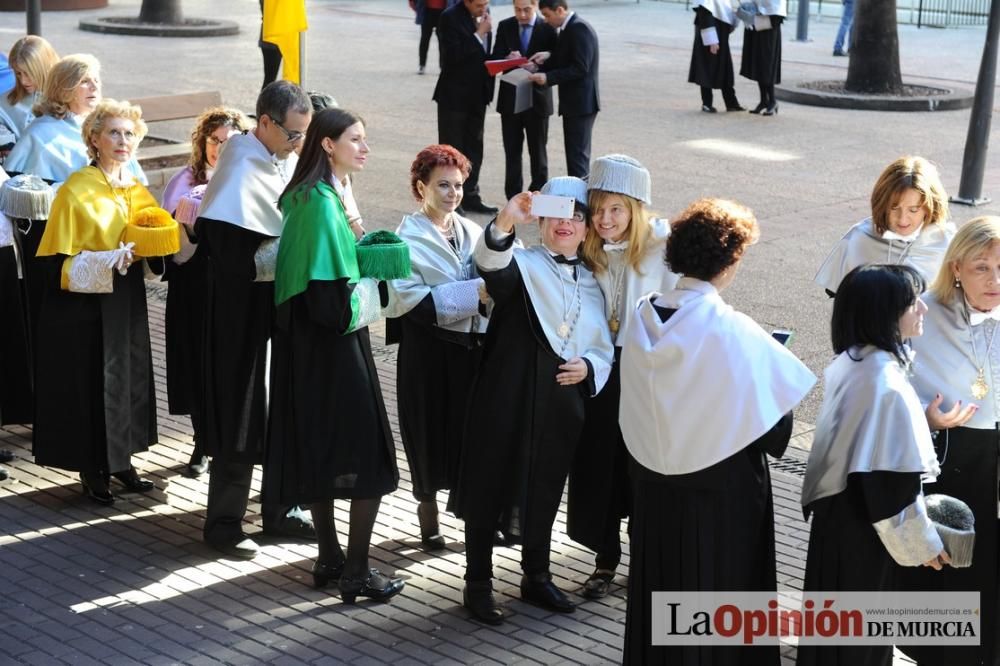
(431, 157)
(709, 237)
(209, 121)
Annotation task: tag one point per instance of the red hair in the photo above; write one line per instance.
(432, 157)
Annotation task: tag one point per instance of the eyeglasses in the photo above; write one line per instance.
(216, 141)
(293, 137)
(117, 134)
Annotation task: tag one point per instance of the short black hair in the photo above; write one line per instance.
(278, 98)
(552, 4)
(869, 302)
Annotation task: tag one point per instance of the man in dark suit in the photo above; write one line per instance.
(464, 88)
(573, 67)
(524, 34)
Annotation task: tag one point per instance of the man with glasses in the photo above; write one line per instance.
(240, 224)
(547, 350)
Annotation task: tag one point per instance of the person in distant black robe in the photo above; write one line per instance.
(762, 52)
(871, 452)
(547, 350)
(702, 509)
(15, 350)
(711, 60)
(239, 224)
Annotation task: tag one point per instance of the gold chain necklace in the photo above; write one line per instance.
(979, 387)
(124, 203)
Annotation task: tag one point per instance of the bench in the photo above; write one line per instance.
(164, 153)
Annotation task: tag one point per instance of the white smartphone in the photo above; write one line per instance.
(782, 335)
(546, 205)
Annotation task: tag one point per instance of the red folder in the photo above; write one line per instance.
(495, 67)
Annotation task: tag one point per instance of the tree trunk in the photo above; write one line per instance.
(161, 11)
(874, 55)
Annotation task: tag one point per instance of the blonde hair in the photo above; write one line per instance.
(638, 233)
(975, 236)
(106, 110)
(62, 82)
(909, 172)
(209, 121)
(36, 58)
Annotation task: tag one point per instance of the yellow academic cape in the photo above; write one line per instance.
(283, 20)
(88, 215)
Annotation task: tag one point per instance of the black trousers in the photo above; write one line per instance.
(427, 28)
(728, 96)
(228, 497)
(464, 131)
(516, 127)
(577, 131)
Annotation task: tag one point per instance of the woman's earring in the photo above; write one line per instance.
(958, 283)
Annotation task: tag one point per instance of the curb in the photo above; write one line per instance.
(951, 100)
(120, 25)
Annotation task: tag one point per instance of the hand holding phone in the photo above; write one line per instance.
(547, 205)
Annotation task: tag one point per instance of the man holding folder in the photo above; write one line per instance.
(524, 34)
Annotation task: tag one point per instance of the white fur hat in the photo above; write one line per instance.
(622, 175)
(567, 186)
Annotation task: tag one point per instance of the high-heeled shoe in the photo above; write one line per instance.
(95, 486)
(325, 573)
(430, 530)
(760, 107)
(376, 585)
(130, 479)
(771, 110)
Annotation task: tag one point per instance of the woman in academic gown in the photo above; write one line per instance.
(711, 60)
(95, 403)
(871, 453)
(187, 272)
(762, 52)
(909, 225)
(956, 372)
(702, 512)
(52, 147)
(437, 312)
(31, 58)
(329, 434)
(624, 246)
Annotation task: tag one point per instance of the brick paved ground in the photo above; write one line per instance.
(133, 583)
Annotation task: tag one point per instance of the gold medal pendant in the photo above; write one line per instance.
(613, 325)
(979, 387)
(563, 330)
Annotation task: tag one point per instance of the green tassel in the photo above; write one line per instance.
(384, 256)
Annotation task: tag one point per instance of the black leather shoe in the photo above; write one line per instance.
(599, 584)
(478, 598)
(95, 486)
(376, 585)
(736, 107)
(6, 456)
(244, 548)
(130, 479)
(760, 107)
(294, 525)
(325, 573)
(480, 207)
(705, 108)
(770, 110)
(430, 529)
(197, 466)
(541, 591)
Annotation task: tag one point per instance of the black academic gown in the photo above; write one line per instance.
(708, 70)
(523, 427)
(239, 316)
(762, 54)
(329, 434)
(434, 374)
(15, 349)
(95, 398)
(846, 554)
(708, 530)
(969, 458)
(185, 332)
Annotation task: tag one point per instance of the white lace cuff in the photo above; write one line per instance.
(909, 536)
(89, 273)
(366, 303)
(265, 260)
(709, 36)
(455, 301)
